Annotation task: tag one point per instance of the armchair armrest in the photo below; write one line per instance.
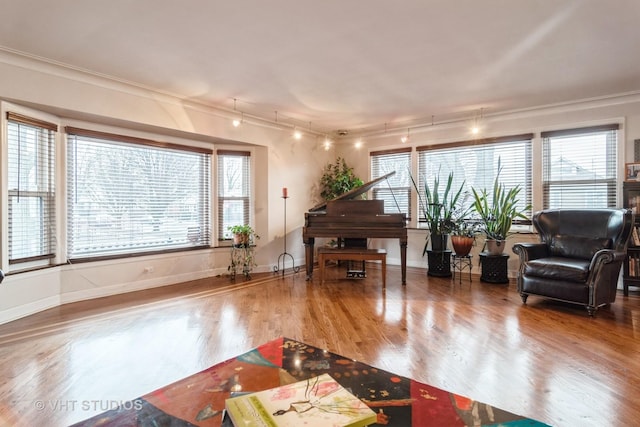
(604, 271)
(529, 251)
(606, 256)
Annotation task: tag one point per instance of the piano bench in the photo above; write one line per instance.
(353, 254)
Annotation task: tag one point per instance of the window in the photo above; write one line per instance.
(131, 196)
(475, 163)
(580, 167)
(234, 190)
(30, 167)
(395, 190)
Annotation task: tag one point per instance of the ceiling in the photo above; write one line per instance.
(343, 64)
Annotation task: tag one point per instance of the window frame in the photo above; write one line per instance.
(612, 165)
(200, 239)
(46, 193)
(223, 236)
(376, 159)
(507, 142)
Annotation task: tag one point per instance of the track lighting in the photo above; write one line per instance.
(327, 143)
(475, 128)
(405, 138)
(237, 121)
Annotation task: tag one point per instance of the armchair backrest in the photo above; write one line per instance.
(579, 233)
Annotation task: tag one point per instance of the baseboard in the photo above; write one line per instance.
(15, 313)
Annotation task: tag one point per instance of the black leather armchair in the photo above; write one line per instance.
(578, 258)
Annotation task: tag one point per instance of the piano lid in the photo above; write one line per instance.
(352, 194)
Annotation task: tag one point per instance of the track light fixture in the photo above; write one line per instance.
(237, 121)
(475, 128)
(327, 143)
(405, 138)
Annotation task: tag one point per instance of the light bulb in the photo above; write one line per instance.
(405, 138)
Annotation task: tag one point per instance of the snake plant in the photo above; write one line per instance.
(498, 210)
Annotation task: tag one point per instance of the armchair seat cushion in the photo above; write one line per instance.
(558, 268)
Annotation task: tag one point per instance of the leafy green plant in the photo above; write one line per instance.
(439, 206)
(498, 210)
(241, 229)
(244, 230)
(465, 227)
(337, 179)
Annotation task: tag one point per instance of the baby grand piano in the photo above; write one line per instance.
(348, 217)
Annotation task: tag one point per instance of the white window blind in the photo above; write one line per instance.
(31, 167)
(132, 196)
(475, 163)
(234, 190)
(395, 190)
(580, 167)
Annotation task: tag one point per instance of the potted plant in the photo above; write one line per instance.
(337, 179)
(497, 212)
(463, 235)
(243, 235)
(438, 208)
(242, 254)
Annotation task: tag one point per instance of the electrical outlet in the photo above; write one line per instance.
(148, 269)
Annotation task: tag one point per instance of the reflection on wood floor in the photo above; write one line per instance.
(544, 360)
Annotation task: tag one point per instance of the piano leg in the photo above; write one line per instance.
(308, 255)
(403, 260)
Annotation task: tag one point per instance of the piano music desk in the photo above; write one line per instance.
(353, 254)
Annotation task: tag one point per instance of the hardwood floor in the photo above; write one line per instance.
(543, 360)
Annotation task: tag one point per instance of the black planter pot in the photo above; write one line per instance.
(439, 263)
(439, 242)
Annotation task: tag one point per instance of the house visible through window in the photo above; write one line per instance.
(31, 204)
(234, 190)
(580, 167)
(129, 195)
(396, 189)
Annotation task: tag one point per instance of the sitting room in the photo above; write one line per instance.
(356, 146)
